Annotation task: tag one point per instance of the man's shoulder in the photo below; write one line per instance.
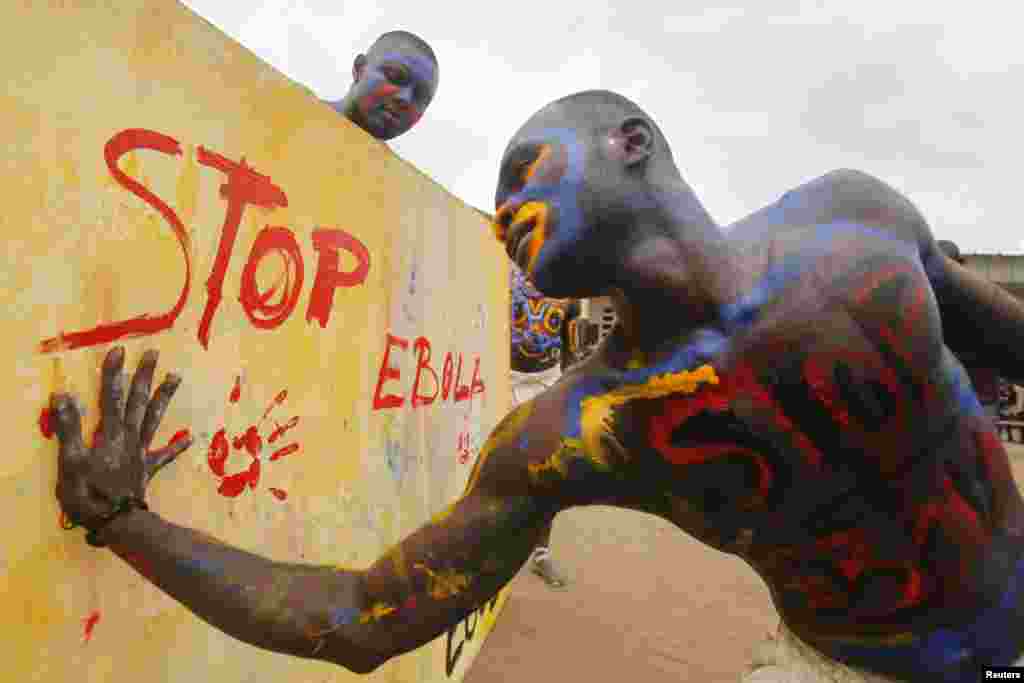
(854, 196)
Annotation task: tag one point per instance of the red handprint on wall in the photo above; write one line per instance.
(252, 443)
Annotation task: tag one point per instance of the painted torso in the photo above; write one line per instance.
(822, 432)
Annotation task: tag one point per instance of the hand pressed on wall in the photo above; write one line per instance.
(119, 464)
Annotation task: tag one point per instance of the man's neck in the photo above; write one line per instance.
(675, 281)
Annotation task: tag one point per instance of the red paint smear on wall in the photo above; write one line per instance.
(46, 423)
(233, 485)
(281, 429)
(278, 400)
(90, 624)
(279, 493)
(236, 393)
(287, 450)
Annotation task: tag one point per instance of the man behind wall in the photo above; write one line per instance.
(392, 85)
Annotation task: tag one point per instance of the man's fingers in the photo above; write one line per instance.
(112, 395)
(138, 395)
(67, 425)
(157, 407)
(156, 460)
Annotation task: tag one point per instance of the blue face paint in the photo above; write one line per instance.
(565, 217)
(376, 94)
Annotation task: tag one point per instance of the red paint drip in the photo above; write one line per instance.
(46, 423)
(278, 400)
(279, 493)
(254, 473)
(236, 393)
(90, 624)
(281, 429)
(179, 435)
(287, 450)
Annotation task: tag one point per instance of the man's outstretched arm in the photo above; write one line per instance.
(355, 618)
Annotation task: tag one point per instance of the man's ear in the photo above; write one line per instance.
(636, 140)
(358, 67)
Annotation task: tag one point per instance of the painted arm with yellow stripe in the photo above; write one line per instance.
(358, 619)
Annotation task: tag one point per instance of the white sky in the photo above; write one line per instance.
(925, 95)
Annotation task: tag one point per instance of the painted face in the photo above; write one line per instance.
(393, 92)
(536, 326)
(538, 208)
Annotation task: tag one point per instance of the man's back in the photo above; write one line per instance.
(821, 431)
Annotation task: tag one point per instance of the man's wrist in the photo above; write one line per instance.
(120, 527)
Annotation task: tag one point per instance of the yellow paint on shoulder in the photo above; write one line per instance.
(377, 612)
(444, 584)
(596, 411)
(558, 461)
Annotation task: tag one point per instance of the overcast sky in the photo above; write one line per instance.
(925, 95)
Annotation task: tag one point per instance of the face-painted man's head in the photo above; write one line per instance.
(393, 83)
(568, 178)
(537, 326)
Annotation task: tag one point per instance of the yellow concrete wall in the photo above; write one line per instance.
(82, 250)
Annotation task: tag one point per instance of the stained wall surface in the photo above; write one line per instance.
(322, 292)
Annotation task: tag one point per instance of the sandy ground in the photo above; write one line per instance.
(647, 604)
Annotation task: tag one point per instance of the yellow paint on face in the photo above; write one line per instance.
(444, 584)
(596, 411)
(538, 212)
(542, 156)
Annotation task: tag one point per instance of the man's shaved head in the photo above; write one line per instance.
(591, 111)
(588, 177)
(399, 41)
(392, 85)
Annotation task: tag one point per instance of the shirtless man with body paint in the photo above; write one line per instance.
(392, 85)
(779, 389)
